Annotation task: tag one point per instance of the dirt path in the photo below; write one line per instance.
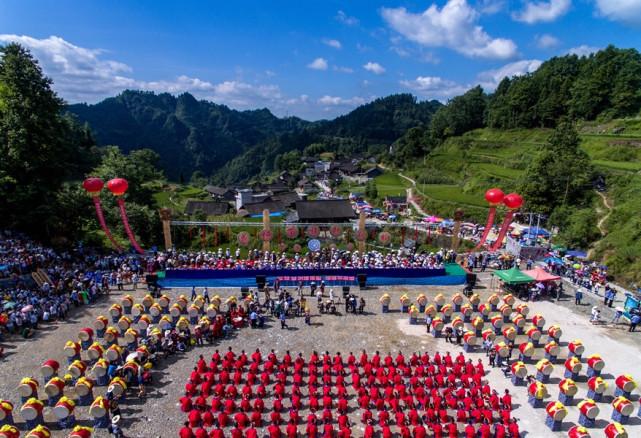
(608, 204)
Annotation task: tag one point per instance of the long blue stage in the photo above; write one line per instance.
(177, 278)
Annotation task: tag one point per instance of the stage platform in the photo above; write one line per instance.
(451, 274)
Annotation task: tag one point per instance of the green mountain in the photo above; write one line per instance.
(189, 135)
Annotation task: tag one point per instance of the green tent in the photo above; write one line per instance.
(513, 276)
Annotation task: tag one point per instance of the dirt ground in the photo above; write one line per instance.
(158, 415)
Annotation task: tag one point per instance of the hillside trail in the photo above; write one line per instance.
(415, 204)
(609, 205)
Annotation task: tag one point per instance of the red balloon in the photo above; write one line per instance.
(494, 196)
(513, 201)
(118, 186)
(93, 185)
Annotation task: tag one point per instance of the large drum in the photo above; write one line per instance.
(533, 333)
(478, 323)
(494, 300)
(437, 324)
(28, 387)
(64, 408)
(99, 408)
(164, 301)
(111, 335)
(155, 310)
(49, 368)
(555, 332)
(623, 406)
(113, 353)
(421, 300)
(81, 432)
(518, 321)
(137, 310)
(626, 383)
(31, 409)
(39, 431)
(506, 310)
(457, 323)
(501, 349)
(115, 310)
(519, 369)
(447, 310)
(475, 300)
(589, 408)
(556, 411)
(127, 301)
(144, 322)
(578, 432)
(485, 309)
(457, 299)
(430, 311)
(467, 310)
(497, 322)
(615, 430)
(175, 310)
(552, 348)
(54, 387)
(596, 362)
(117, 386)
(538, 320)
(95, 351)
(77, 369)
(212, 311)
(573, 365)
(509, 333)
(85, 334)
(568, 387)
(147, 301)
(100, 323)
(597, 384)
(124, 323)
(488, 335)
(523, 309)
(538, 390)
(439, 300)
(84, 386)
(6, 408)
(527, 349)
(469, 338)
(183, 323)
(100, 368)
(509, 299)
(72, 349)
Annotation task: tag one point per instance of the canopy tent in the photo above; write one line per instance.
(540, 275)
(513, 276)
(537, 231)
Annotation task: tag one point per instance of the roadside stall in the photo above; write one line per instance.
(514, 281)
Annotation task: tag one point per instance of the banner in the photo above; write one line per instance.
(536, 253)
(488, 227)
(503, 232)
(103, 224)
(512, 247)
(125, 222)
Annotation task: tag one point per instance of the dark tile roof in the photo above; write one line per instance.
(257, 208)
(288, 198)
(210, 208)
(216, 190)
(397, 199)
(319, 210)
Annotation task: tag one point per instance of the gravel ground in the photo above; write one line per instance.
(159, 416)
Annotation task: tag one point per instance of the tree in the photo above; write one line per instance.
(559, 175)
(32, 143)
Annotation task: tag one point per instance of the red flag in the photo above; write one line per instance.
(503, 232)
(215, 236)
(203, 236)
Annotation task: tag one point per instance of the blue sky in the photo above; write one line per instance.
(311, 59)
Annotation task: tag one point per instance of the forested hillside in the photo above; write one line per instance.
(190, 135)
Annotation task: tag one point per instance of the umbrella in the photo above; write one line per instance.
(540, 285)
(168, 326)
(26, 309)
(576, 266)
(603, 267)
(376, 211)
(393, 217)
(133, 356)
(9, 305)
(560, 248)
(516, 233)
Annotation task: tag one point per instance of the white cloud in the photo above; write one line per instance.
(318, 64)
(547, 41)
(375, 68)
(454, 26)
(333, 100)
(626, 11)
(434, 87)
(343, 18)
(490, 7)
(542, 11)
(490, 79)
(400, 52)
(343, 69)
(583, 50)
(332, 43)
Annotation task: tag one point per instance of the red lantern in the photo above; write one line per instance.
(118, 186)
(494, 196)
(93, 185)
(513, 201)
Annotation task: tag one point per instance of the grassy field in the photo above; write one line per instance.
(176, 197)
(391, 184)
